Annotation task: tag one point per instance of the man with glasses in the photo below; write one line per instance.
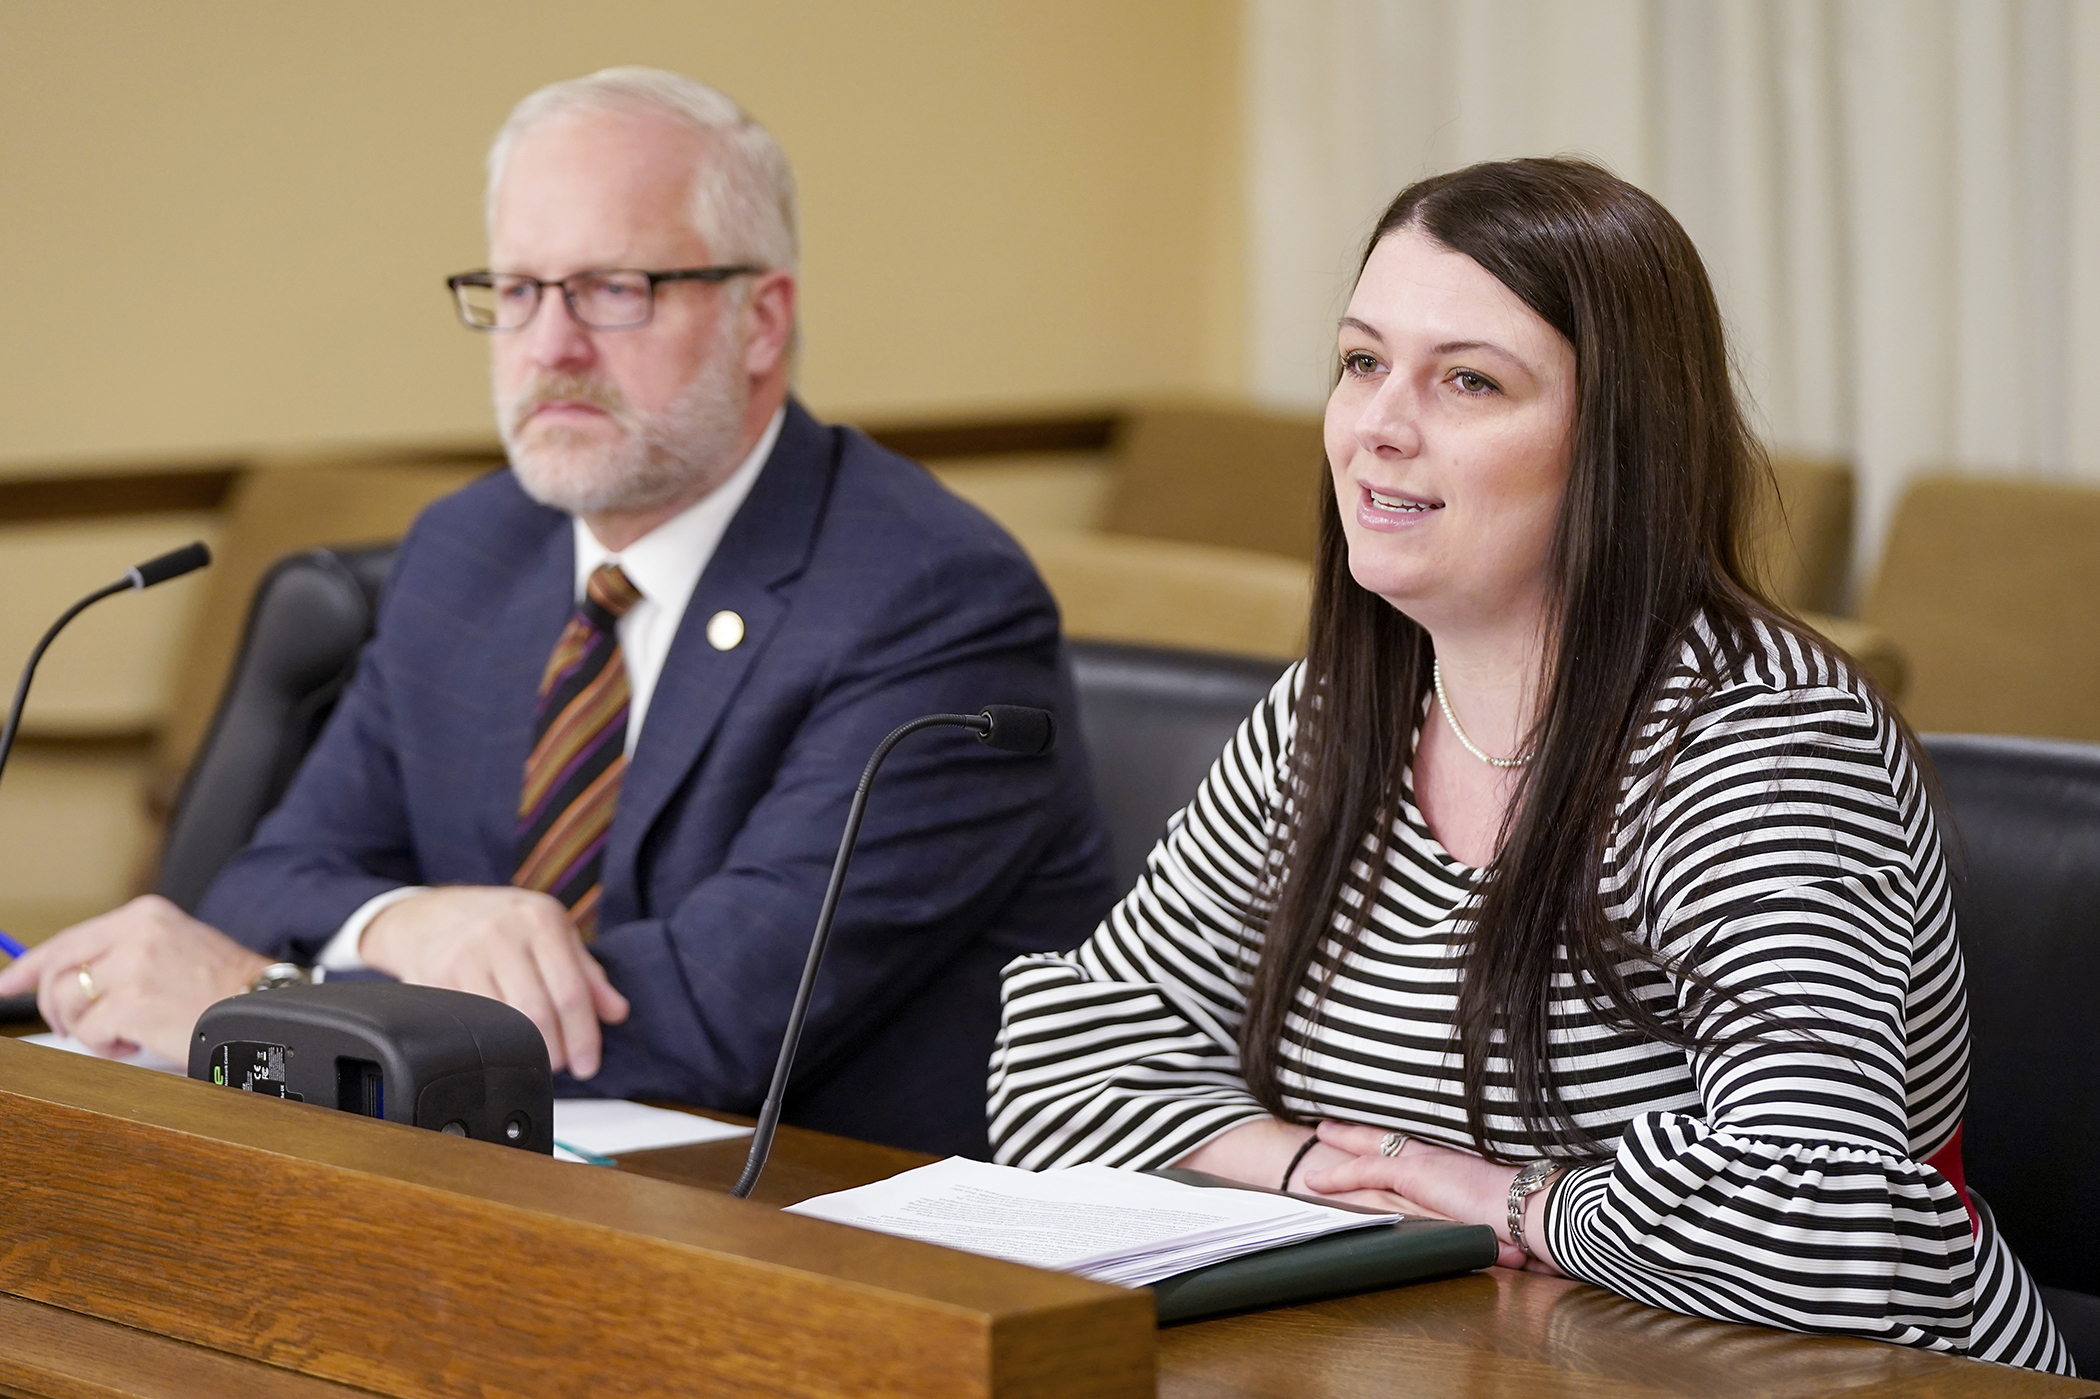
(597, 757)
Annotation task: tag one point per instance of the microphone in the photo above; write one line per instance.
(1015, 728)
(1011, 728)
(173, 564)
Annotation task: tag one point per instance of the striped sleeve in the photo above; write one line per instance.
(1123, 1051)
(1780, 867)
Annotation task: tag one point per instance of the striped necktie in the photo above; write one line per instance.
(579, 738)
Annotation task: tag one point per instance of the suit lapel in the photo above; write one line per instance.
(766, 545)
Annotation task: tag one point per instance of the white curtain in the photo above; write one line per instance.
(1899, 200)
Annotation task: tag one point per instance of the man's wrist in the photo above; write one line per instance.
(348, 949)
(249, 968)
(276, 976)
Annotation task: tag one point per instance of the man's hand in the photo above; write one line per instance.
(152, 970)
(514, 945)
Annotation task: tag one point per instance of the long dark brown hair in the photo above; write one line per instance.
(1649, 538)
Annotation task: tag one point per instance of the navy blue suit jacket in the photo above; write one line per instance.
(869, 596)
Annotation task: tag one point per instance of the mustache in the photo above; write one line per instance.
(566, 388)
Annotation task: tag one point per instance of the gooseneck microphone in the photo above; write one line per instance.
(188, 559)
(1011, 728)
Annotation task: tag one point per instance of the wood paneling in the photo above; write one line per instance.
(995, 437)
(116, 493)
(91, 493)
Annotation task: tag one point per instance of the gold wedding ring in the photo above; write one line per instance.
(1391, 1144)
(86, 978)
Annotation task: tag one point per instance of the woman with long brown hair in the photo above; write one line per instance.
(1566, 886)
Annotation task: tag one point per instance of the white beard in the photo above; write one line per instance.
(656, 458)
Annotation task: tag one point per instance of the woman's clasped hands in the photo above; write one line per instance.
(1425, 1180)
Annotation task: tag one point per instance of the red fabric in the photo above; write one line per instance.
(1947, 1161)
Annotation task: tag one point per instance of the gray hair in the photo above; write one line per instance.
(743, 190)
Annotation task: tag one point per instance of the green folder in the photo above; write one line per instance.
(1358, 1260)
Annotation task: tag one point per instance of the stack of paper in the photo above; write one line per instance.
(1107, 1224)
(143, 1058)
(597, 1129)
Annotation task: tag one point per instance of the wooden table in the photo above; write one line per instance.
(1481, 1336)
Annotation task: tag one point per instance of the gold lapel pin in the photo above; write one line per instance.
(724, 630)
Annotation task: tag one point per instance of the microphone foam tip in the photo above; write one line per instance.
(1018, 728)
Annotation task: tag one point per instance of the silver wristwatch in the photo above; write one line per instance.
(278, 975)
(1532, 1179)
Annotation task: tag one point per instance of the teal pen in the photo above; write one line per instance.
(11, 947)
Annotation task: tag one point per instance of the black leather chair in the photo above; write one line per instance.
(1155, 719)
(2026, 854)
(311, 617)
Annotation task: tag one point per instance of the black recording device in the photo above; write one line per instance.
(451, 1061)
(1011, 728)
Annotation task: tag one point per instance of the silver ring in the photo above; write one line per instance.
(1392, 1143)
(86, 979)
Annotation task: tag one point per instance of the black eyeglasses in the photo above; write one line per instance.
(612, 300)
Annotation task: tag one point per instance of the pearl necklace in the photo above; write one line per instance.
(1436, 678)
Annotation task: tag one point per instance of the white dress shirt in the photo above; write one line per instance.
(665, 566)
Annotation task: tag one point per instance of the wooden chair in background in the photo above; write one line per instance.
(1243, 478)
(1992, 588)
(1158, 592)
(279, 507)
(1801, 541)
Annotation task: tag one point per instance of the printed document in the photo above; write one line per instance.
(1108, 1224)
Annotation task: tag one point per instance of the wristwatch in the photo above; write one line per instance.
(1532, 1179)
(278, 975)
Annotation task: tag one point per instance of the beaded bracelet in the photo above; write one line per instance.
(1292, 1169)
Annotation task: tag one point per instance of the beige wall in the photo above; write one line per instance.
(227, 223)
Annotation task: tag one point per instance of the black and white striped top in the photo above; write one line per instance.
(1790, 855)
